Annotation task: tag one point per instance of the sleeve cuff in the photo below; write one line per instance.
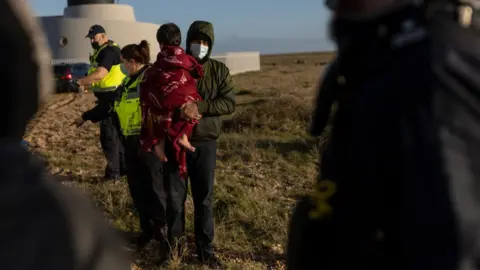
(202, 106)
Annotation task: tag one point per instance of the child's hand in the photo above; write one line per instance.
(159, 151)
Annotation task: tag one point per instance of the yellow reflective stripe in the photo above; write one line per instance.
(128, 107)
(135, 84)
(114, 76)
(324, 191)
(95, 54)
(129, 115)
(130, 132)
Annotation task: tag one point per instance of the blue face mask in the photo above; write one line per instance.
(198, 51)
(124, 69)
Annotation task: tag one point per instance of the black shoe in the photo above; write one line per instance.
(141, 241)
(211, 261)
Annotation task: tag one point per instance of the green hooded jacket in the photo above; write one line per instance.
(215, 87)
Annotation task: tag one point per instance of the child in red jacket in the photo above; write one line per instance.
(168, 84)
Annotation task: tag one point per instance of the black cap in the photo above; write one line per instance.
(331, 4)
(95, 29)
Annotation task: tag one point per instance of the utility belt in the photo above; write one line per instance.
(103, 89)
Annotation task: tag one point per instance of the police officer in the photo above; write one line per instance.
(104, 76)
(384, 202)
(144, 170)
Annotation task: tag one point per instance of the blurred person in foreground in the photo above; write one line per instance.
(455, 28)
(45, 226)
(218, 98)
(384, 200)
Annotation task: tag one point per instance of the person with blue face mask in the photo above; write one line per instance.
(217, 91)
(199, 48)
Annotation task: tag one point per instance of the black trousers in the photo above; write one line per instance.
(201, 170)
(112, 148)
(146, 185)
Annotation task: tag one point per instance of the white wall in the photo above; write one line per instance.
(107, 12)
(121, 26)
(240, 62)
(75, 29)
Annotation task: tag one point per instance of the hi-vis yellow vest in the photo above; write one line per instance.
(128, 107)
(114, 77)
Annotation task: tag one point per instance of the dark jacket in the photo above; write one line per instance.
(215, 87)
(457, 103)
(391, 206)
(325, 99)
(103, 107)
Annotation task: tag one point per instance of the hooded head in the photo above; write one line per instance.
(200, 39)
(27, 80)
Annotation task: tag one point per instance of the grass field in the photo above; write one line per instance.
(265, 159)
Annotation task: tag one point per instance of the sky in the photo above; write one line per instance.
(268, 26)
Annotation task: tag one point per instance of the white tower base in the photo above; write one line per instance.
(66, 34)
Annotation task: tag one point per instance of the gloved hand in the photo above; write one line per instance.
(78, 122)
(75, 87)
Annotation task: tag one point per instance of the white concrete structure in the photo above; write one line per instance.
(66, 34)
(239, 62)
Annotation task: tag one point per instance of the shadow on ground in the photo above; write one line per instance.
(243, 93)
(286, 147)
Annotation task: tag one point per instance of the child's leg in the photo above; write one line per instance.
(160, 150)
(183, 141)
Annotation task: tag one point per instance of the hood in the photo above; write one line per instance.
(201, 27)
(28, 80)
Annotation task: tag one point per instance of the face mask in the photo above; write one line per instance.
(95, 45)
(124, 69)
(198, 51)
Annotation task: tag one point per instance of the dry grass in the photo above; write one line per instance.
(265, 159)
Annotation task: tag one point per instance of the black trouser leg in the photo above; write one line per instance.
(177, 194)
(121, 156)
(201, 169)
(158, 195)
(110, 142)
(145, 181)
